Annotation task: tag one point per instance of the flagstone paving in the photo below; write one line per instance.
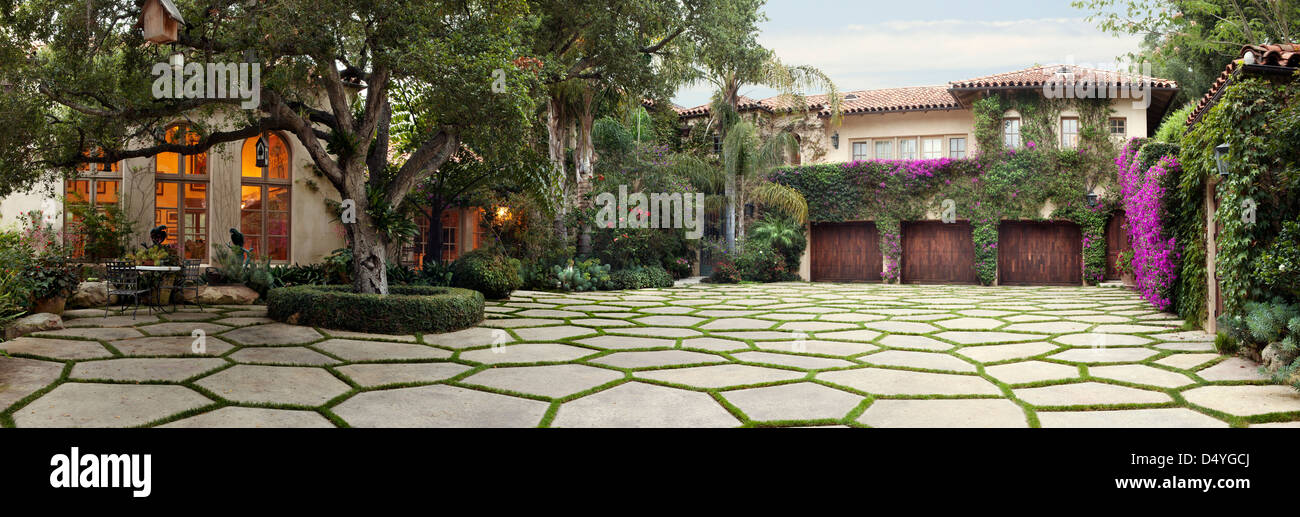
(796, 354)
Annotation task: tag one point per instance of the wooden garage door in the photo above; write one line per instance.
(845, 252)
(1039, 253)
(938, 253)
(1116, 242)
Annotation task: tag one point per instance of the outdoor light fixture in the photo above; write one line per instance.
(1221, 159)
(263, 152)
(835, 140)
(178, 62)
(1092, 199)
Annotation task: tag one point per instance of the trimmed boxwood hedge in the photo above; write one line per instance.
(405, 310)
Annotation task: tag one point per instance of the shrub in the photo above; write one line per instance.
(640, 278)
(679, 268)
(725, 272)
(758, 262)
(487, 272)
(405, 310)
(588, 275)
(783, 234)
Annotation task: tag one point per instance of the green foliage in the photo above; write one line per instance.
(610, 137)
(1278, 266)
(405, 310)
(588, 275)
(487, 271)
(1171, 130)
(725, 272)
(238, 267)
(759, 262)
(106, 231)
(337, 266)
(1225, 344)
(1258, 120)
(783, 234)
(640, 277)
(1269, 322)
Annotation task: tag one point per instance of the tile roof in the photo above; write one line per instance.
(1286, 56)
(745, 104)
(1040, 75)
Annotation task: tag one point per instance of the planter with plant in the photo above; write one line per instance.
(1124, 264)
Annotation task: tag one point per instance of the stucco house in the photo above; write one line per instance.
(925, 122)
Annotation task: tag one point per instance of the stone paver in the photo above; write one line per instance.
(637, 404)
(785, 352)
(439, 406)
(135, 369)
(1137, 418)
(246, 417)
(1088, 393)
(720, 376)
(55, 348)
(295, 355)
(798, 401)
(275, 384)
(944, 413)
(273, 334)
(553, 381)
(356, 350)
(78, 404)
(21, 377)
(899, 382)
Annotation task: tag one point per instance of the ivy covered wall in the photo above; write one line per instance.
(995, 185)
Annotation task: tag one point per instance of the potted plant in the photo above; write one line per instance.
(51, 281)
(1124, 264)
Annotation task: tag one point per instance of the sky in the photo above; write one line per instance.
(870, 44)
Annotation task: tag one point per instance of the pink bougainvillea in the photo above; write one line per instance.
(1154, 252)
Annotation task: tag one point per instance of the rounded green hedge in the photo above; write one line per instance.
(487, 272)
(405, 310)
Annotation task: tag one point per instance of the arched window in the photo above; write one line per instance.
(181, 194)
(264, 197)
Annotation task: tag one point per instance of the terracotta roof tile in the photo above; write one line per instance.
(1270, 55)
(1040, 75)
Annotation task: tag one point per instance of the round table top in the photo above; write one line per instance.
(158, 268)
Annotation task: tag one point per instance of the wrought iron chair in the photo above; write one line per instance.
(190, 279)
(124, 281)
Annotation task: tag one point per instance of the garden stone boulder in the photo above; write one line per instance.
(34, 323)
(222, 295)
(89, 295)
(1275, 358)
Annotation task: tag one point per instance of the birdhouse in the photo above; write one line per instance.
(160, 20)
(263, 153)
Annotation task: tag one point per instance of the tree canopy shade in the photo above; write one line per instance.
(77, 77)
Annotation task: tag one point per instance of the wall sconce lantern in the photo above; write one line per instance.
(1221, 159)
(1092, 199)
(835, 140)
(263, 151)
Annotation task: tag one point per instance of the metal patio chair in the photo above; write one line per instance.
(190, 279)
(124, 281)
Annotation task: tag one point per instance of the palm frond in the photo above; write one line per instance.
(783, 198)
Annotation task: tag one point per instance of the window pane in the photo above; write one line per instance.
(884, 150)
(956, 148)
(277, 198)
(860, 151)
(278, 165)
(76, 191)
(932, 148)
(196, 231)
(106, 192)
(196, 196)
(168, 163)
(250, 224)
(277, 223)
(278, 248)
(248, 160)
(250, 197)
(907, 149)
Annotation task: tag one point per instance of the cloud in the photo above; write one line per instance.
(930, 52)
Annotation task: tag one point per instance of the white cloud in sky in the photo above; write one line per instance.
(932, 52)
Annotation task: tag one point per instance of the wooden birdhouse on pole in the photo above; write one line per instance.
(160, 21)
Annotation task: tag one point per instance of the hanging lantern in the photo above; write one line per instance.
(263, 151)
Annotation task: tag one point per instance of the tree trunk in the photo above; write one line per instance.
(369, 258)
(729, 218)
(557, 130)
(584, 169)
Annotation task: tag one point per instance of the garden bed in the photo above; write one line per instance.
(407, 309)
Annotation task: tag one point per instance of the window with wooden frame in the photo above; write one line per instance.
(96, 185)
(907, 149)
(1118, 128)
(1069, 133)
(861, 151)
(932, 148)
(1011, 133)
(884, 149)
(265, 193)
(956, 148)
(450, 235)
(181, 195)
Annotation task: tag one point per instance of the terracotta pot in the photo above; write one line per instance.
(1129, 279)
(52, 305)
(146, 262)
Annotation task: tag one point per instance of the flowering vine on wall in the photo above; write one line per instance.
(1155, 252)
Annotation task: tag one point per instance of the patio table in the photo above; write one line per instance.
(157, 273)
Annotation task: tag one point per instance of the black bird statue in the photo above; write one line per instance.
(158, 234)
(236, 238)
